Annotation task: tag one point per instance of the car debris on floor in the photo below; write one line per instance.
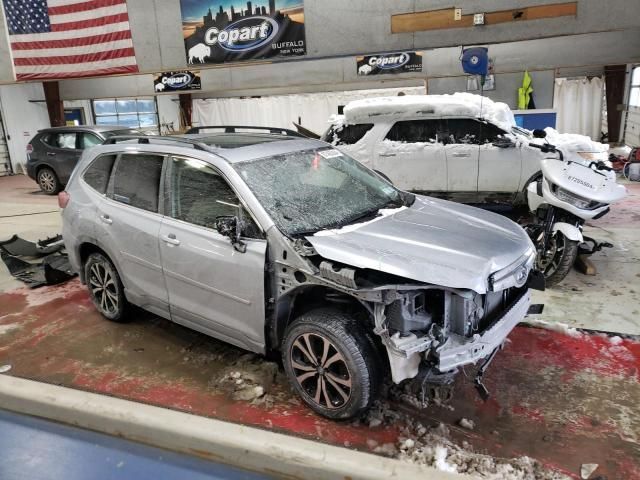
(50, 267)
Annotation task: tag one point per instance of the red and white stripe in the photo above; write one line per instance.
(87, 38)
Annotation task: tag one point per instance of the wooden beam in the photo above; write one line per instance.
(54, 104)
(444, 18)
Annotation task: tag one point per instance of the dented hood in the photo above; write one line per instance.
(433, 241)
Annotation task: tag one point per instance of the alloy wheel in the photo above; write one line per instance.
(321, 370)
(551, 260)
(103, 288)
(47, 181)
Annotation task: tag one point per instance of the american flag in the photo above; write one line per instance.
(56, 39)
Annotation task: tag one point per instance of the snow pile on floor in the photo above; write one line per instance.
(555, 326)
(433, 447)
(457, 104)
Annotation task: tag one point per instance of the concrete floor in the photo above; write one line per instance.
(562, 399)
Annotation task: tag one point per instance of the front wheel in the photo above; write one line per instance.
(331, 363)
(557, 261)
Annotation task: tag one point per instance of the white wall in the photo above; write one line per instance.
(22, 118)
(313, 109)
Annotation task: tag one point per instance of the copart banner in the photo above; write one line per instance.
(223, 31)
(401, 62)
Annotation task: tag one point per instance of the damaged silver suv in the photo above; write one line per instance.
(277, 243)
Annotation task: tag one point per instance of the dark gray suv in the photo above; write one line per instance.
(53, 152)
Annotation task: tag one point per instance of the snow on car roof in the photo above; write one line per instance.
(457, 104)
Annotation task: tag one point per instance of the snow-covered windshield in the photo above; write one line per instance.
(307, 191)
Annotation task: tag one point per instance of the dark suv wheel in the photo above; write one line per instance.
(331, 363)
(48, 181)
(105, 287)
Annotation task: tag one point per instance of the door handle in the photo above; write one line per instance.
(461, 155)
(51, 154)
(387, 154)
(106, 219)
(170, 239)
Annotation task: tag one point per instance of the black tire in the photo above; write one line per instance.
(48, 181)
(560, 265)
(356, 363)
(105, 288)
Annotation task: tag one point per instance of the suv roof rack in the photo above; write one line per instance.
(234, 128)
(147, 139)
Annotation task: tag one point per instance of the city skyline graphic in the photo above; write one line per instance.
(195, 11)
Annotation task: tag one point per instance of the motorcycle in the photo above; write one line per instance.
(570, 191)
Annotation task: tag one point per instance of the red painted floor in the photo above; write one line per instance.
(560, 399)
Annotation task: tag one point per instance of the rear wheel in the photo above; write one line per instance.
(105, 287)
(48, 181)
(559, 258)
(331, 363)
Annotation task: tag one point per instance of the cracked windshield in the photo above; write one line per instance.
(304, 192)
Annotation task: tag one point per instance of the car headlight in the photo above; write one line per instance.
(515, 275)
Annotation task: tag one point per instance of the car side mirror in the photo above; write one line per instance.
(503, 143)
(230, 226)
(538, 133)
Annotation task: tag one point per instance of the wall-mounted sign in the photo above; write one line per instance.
(219, 31)
(401, 62)
(177, 81)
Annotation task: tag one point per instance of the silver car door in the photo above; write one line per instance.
(212, 287)
(412, 158)
(129, 222)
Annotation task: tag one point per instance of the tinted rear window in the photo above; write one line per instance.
(414, 131)
(98, 173)
(136, 180)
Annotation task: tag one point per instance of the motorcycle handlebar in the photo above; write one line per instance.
(546, 148)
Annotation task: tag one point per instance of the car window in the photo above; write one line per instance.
(88, 140)
(65, 140)
(490, 133)
(469, 131)
(98, 173)
(348, 134)
(414, 131)
(136, 180)
(199, 195)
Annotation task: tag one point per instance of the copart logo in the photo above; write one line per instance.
(243, 35)
(178, 80)
(388, 62)
(581, 182)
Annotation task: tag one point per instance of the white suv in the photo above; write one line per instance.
(460, 146)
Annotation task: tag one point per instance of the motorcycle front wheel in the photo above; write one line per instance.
(557, 261)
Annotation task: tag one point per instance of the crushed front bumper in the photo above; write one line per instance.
(458, 350)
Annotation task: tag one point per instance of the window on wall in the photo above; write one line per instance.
(634, 92)
(129, 112)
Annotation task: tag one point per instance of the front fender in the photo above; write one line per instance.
(570, 231)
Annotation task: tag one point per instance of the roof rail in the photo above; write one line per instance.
(233, 128)
(146, 139)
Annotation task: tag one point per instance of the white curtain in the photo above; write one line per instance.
(579, 106)
(313, 109)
